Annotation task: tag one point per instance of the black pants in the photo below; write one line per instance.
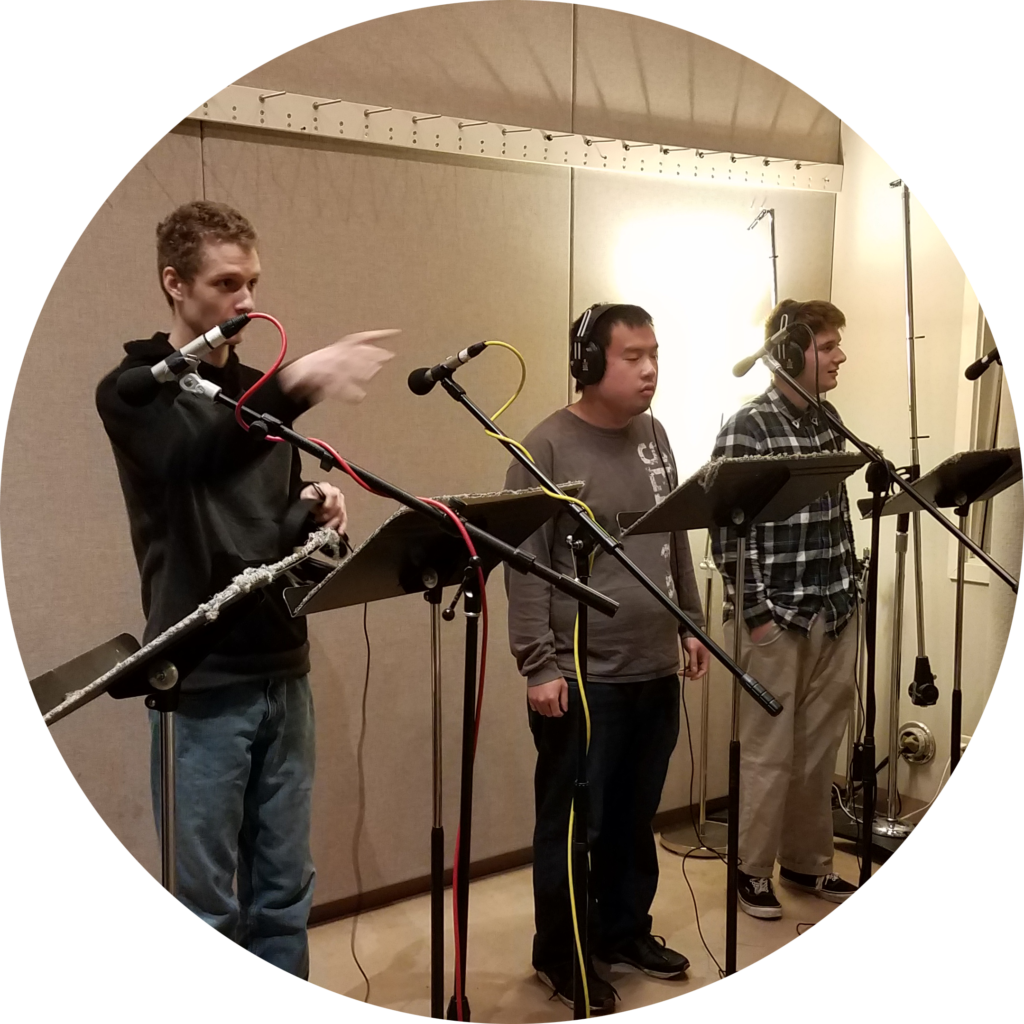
(634, 727)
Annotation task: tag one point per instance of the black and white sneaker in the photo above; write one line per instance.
(558, 978)
(827, 887)
(757, 897)
(650, 955)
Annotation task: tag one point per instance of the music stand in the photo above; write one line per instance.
(410, 554)
(957, 483)
(737, 494)
(123, 669)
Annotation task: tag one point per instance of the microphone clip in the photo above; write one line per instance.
(468, 576)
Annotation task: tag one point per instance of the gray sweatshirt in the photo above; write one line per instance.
(623, 472)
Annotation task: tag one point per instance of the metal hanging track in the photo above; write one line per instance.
(423, 131)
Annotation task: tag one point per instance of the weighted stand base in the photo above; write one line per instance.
(684, 840)
(906, 851)
(891, 827)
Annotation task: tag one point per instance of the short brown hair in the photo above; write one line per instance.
(181, 235)
(818, 314)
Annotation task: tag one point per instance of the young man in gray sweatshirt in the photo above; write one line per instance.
(632, 688)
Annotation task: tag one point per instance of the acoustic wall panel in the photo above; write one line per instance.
(450, 252)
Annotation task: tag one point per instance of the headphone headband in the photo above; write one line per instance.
(590, 317)
(586, 357)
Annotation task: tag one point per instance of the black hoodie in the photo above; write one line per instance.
(205, 500)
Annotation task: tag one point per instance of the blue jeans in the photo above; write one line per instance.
(244, 774)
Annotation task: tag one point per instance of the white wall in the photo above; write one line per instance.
(868, 285)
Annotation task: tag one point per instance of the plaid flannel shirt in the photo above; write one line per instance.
(797, 567)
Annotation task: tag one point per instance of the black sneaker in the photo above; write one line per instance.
(757, 897)
(559, 979)
(827, 887)
(650, 955)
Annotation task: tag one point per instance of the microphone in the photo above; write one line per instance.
(744, 365)
(422, 380)
(140, 385)
(979, 366)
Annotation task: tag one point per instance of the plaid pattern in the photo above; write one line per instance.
(799, 566)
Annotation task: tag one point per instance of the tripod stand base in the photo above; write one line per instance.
(892, 828)
(684, 840)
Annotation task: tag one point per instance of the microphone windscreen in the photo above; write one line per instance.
(137, 386)
(744, 365)
(974, 371)
(419, 383)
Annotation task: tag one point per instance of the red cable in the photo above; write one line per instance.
(263, 380)
(468, 541)
(483, 611)
(476, 732)
(458, 833)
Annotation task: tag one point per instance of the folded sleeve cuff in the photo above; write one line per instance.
(545, 674)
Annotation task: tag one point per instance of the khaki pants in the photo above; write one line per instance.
(787, 763)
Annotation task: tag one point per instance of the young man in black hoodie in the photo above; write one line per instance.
(205, 500)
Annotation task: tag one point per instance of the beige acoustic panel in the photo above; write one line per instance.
(49, 188)
(504, 61)
(70, 573)
(450, 252)
(665, 246)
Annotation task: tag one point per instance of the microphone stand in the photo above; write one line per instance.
(581, 549)
(613, 547)
(264, 423)
(589, 536)
(881, 476)
(521, 561)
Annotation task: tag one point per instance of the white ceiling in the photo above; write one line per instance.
(778, 77)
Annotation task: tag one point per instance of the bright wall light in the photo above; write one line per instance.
(709, 280)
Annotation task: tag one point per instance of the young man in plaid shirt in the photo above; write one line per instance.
(799, 628)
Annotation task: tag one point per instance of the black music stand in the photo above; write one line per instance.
(958, 482)
(123, 669)
(410, 554)
(737, 494)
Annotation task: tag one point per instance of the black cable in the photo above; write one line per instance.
(696, 831)
(689, 745)
(661, 458)
(361, 809)
(805, 925)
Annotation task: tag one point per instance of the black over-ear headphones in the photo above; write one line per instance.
(586, 356)
(787, 351)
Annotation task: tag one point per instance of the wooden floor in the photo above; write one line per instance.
(393, 944)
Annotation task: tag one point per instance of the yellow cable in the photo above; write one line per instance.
(515, 444)
(575, 916)
(579, 674)
(572, 806)
(497, 435)
(551, 494)
(522, 378)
